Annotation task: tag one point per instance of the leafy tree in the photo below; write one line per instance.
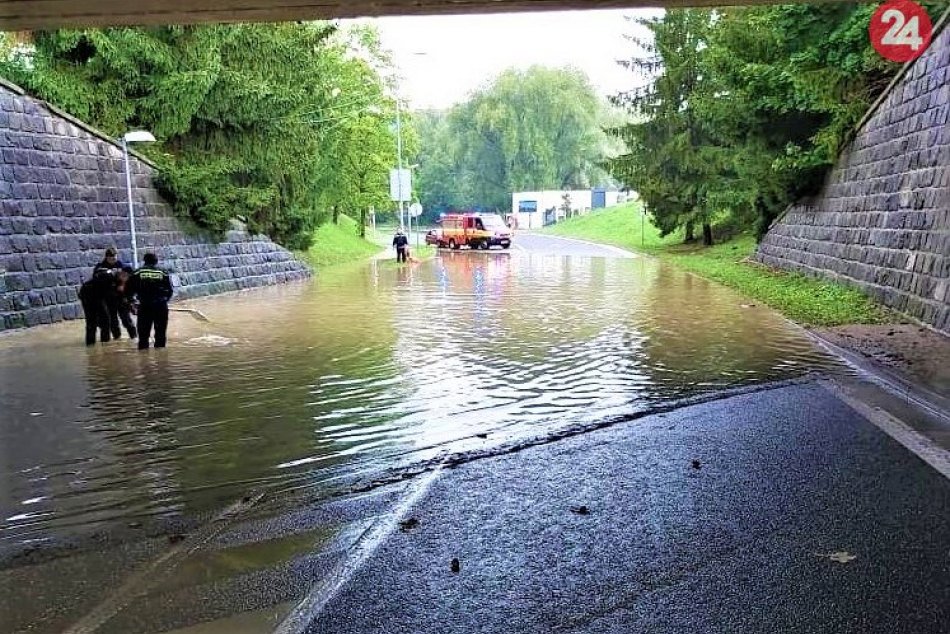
(439, 181)
(673, 162)
(534, 129)
(745, 109)
(248, 116)
(566, 206)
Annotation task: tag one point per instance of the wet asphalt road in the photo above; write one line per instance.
(802, 517)
(548, 244)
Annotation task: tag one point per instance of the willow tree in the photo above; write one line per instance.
(533, 129)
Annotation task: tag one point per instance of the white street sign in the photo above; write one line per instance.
(415, 210)
(400, 185)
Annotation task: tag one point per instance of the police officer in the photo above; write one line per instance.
(108, 272)
(153, 288)
(401, 244)
(92, 294)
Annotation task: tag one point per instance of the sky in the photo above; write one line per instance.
(442, 59)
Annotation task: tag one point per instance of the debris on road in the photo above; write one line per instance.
(839, 556)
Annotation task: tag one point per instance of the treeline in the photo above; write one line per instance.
(282, 126)
(744, 110)
(540, 128)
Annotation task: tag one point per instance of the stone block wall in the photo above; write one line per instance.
(63, 201)
(882, 221)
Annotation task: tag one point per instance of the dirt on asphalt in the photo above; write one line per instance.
(921, 355)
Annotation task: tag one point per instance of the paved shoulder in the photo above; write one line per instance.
(544, 243)
(778, 511)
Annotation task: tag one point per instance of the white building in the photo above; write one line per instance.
(533, 210)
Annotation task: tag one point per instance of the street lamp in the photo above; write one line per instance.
(135, 136)
(396, 81)
(402, 219)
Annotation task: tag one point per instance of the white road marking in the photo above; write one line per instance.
(308, 610)
(607, 247)
(918, 444)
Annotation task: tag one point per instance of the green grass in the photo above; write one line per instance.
(805, 300)
(338, 243)
(619, 226)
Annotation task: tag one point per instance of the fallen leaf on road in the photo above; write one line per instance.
(456, 566)
(580, 510)
(839, 556)
(697, 464)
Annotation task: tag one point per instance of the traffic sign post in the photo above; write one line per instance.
(900, 30)
(400, 189)
(415, 210)
(400, 185)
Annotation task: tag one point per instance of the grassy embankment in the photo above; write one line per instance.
(384, 237)
(805, 300)
(338, 243)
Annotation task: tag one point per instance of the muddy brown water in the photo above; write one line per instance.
(309, 385)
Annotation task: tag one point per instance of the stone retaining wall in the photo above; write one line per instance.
(882, 221)
(63, 201)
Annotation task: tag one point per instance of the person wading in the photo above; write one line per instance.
(401, 243)
(153, 288)
(93, 294)
(108, 272)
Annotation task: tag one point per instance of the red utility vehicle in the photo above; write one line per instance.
(477, 231)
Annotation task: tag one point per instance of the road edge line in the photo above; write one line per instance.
(911, 439)
(610, 247)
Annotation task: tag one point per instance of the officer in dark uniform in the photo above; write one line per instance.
(153, 288)
(92, 294)
(109, 271)
(401, 244)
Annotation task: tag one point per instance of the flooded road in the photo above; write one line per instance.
(312, 386)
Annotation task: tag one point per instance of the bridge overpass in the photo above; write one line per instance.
(24, 15)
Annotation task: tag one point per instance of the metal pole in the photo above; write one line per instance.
(402, 219)
(128, 191)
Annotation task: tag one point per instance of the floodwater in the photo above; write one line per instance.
(313, 385)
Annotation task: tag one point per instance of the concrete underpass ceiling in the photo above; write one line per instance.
(24, 15)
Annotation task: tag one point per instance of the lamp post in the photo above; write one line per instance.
(135, 136)
(402, 213)
(402, 220)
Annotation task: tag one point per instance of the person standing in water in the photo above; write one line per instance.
(153, 288)
(401, 244)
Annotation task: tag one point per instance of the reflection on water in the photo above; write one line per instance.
(307, 385)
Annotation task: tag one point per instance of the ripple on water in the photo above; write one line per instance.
(358, 370)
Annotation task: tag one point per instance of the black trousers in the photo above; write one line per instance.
(97, 318)
(401, 253)
(152, 315)
(119, 312)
